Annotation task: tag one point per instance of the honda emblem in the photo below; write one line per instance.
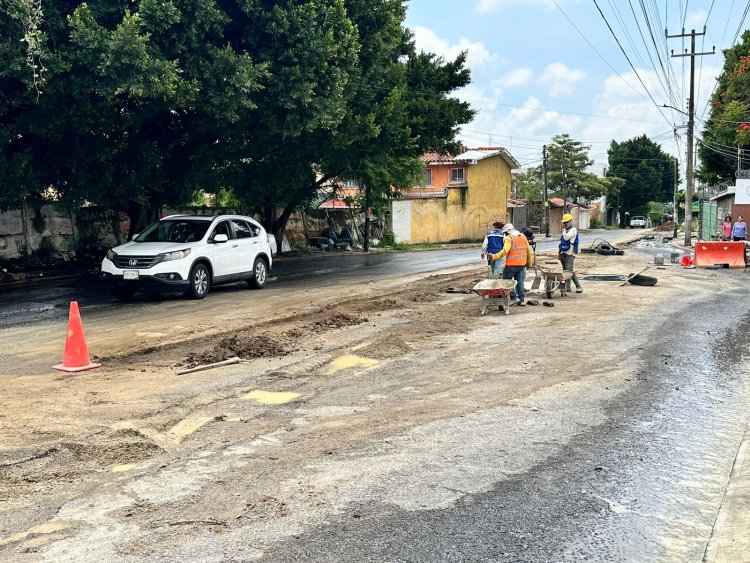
(133, 262)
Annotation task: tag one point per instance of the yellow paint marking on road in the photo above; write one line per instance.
(41, 529)
(189, 425)
(351, 361)
(124, 467)
(270, 398)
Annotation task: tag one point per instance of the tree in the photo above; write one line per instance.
(528, 185)
(566, 171)
(147, 103)
(646, 170)
(728, 126)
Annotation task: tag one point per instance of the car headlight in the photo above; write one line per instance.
(111, 255)
(176, 255)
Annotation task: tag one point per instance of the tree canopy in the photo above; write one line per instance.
(648, 173)
(147, 102)
(728, 124)
(567, 177)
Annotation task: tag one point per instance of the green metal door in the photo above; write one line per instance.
(709, 220)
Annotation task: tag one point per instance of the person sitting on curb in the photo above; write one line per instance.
(493, 244)
(567, 250)
(518, 256)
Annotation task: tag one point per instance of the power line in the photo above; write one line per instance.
(628, 59)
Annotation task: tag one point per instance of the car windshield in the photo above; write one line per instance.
(174, 230)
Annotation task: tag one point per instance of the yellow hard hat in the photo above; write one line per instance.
(567, 217)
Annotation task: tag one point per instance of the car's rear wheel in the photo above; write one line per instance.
(260, 274)
(122, 293)
(200, 282)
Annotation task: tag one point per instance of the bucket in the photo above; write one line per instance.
(659, 259)
(686, 261)
(675, 257)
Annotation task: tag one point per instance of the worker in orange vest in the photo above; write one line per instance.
(518, 256)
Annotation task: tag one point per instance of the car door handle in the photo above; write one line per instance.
(235, 245)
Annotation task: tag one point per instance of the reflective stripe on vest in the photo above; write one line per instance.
(518, 255)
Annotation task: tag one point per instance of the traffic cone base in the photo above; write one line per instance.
(76, 357)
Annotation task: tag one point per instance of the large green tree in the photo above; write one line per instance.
(567, 177)
(149, 101)
(648, 173)
(728, 126)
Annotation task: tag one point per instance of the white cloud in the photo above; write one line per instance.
(486, 6)
(478, 54)
(517, 77)
(696, 20)
(561, 79)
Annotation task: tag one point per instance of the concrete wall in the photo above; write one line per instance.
(36, 229)
(466, 213)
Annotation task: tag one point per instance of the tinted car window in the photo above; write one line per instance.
(221, 228)
(242, 229)
(174, 230)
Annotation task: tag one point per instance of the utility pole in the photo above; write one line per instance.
(368, 214)
(691, 116)
(676, 214)
(545, 208)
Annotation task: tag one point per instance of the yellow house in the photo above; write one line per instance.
(459, 199)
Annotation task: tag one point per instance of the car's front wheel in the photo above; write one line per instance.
(200, 282)
(260, 274)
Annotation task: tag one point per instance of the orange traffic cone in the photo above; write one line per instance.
(76, 356)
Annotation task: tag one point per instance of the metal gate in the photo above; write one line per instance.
(709, 228)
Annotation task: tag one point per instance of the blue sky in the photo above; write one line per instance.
(542, 67)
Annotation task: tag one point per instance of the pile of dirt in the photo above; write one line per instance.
(385, 305)
(390, 346)
(243, 346)
(339, 320)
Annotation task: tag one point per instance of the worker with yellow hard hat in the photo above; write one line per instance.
(567, 250)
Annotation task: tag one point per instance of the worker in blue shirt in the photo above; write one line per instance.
(493, 244)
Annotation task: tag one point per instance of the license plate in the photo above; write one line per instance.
(130, 275)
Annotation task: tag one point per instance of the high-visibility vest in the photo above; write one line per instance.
(495, 239)
(519, 252)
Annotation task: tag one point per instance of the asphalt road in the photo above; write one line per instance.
(43, 301)
(649, 476)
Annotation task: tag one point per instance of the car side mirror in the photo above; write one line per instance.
(135, 235)
(220, 238)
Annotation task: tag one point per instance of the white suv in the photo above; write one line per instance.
(637, 221)
(190, 253)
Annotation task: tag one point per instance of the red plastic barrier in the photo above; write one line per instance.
(718, 253)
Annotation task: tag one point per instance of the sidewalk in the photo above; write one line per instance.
(730, 539)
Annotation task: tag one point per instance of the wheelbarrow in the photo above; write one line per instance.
(495, 293)
(555, 280)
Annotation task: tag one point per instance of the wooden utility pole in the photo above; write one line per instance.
(368, 213)
(676, 217)
(545, 203)
(691, 118)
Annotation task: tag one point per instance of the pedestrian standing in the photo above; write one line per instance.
(567, 250)
(493, 244)
(739, 231)
(726, 227)
(518, 256)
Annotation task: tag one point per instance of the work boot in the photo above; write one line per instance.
(521, 303)
(579, 290)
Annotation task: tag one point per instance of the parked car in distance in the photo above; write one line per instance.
(638, 221)
(190, 254)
